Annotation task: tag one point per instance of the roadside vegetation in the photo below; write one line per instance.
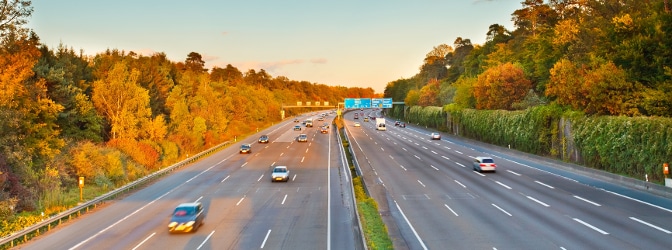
(588, 82)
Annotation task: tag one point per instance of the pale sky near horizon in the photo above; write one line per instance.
(338, 43)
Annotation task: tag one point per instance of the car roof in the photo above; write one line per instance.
(483, 157)
(189, 204)
(280, 167)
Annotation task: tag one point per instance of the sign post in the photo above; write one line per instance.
(81, 186)
(666, 169)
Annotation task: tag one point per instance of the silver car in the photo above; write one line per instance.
(436, 136)
(484, 164)
(280, 173)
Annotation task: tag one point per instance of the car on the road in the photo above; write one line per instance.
(366, 119)
(187, 217)
(324, 130)
(280, 173)
(402, 125)
(263, 139)
(302, 138)
(245, 149)
(483, 163)
(357, 124)
(397, 123)
(296, 119)
(435, 136)
(320, 119)
(297, 128)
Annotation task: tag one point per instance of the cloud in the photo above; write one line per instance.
(318, 60)
(273, 66)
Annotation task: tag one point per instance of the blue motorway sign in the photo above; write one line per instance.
(357, 103)
(385, 103)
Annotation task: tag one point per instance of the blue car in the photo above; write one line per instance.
(186, 218)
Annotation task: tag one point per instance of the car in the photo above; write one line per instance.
(435, 136)
(245, 149)
(324, 130)
(366, 119)
(357, 124)
(397, 123)
(320, 119)
(297, 128)
(186, 218)
(296, 119)
(482, 163)
(302, 138)
(263, 139)
(280, 173)
(402, 125)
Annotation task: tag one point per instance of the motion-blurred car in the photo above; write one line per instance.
(263, 139)
(297, 128)
(280, 173)
(187, 217)
(302, 138)
(484, 164)
(296, 119)
(435, 136)
(245, 149)
(357, 124)
(397, 123)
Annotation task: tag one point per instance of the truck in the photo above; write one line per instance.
(380, 124)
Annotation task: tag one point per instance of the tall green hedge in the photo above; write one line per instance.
(630, 146)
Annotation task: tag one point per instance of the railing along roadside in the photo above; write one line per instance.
(352, 187)
(47, 224)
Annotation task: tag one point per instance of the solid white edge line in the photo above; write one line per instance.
(651, 225)
(150, 236)
(590, 226)
(643, 202)
(206, 240)
(411, 226)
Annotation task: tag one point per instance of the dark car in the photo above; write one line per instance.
(245, 149)
(187, 217)
(263, 139)
(397, 123)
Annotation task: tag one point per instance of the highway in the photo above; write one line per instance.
(431, 198)
(244, 209)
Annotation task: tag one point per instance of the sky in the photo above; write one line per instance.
(351, 43)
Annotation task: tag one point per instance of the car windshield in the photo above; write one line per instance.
(183, 211)
(280, 170)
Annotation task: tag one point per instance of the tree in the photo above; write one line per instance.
(500, 87)
(429, 94)
(195, 62)
(122, 101)
(13, 13)
(412, 98)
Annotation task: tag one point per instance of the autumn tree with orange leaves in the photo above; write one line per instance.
(500, 87)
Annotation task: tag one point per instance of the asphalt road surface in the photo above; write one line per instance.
(244, 209)
(431, 198)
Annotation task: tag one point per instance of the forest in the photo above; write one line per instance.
(116, 116)
(593, 56)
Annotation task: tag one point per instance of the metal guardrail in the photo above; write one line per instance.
(47, 224)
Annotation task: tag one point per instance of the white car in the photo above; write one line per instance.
(357, 124)
(280, 173)
(436, 136)
(481, 164)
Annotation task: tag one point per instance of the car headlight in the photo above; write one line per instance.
(191, 223)
(172, 224)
